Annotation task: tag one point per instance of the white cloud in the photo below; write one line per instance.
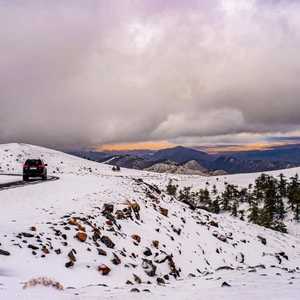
(120, 71)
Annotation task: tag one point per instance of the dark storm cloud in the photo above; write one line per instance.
(74, 72)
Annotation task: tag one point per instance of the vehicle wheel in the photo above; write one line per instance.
(25, 178)
(44, 177)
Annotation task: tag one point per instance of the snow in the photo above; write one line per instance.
(82, 189)
(7, 178)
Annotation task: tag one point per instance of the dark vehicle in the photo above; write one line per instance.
(34, 168)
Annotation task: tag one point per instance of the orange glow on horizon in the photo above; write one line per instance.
(150, 145)
(242, 148)
(158, 145)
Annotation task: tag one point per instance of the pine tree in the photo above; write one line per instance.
(215, 207)
(282, 186)
(171, 188)
(214, 190)
(185, 196)
(234, 209)
(254, 213)
(228, 196)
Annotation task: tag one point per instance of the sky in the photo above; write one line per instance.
(163, 72)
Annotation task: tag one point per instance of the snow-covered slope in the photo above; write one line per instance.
(144, 237)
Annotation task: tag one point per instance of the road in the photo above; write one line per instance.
(20, 183)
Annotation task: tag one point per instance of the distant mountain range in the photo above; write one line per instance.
(184, 160)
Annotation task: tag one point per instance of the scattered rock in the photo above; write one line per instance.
(227, 268)
(45, 250)
(3, 252)
(155, 244)
(137, 279)
(27, 235)
(116, 260)
(149, 267)
(81, 236)
(69, 264)
(136, 237)
(160, 281)
(108, 208)
(107, 242)
(104, 269)
(57, 251)
(101, 252)
(262, 239)
(147, 252)
(72, 221)
(225, 284)
(213, 223)
(33, 247)
(71, 255)
(164, 211)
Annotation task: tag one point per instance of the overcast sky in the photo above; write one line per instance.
(196, 71)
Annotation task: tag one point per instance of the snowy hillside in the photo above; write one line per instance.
(99, 232)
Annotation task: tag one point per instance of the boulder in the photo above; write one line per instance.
(136, 237)
(104, 269)
(3, 252)
(107, 242)
(81, 236)
(164, 211)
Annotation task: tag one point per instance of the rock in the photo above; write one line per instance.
(240, 258)
(120, 215)
(136, 238)
(96, 235)
(101, 252)
(107, 242)
(69, 264)
(164, 211)
(81, 236)
(283, 254)
(57, 251)
(45, 250)
(72, 221)
(109, 223)
(81, 227)
(227, 268)
(150, 268)
(262, 239)
(104, 269)
(155, 244)
(27, 235)
(108, 208)
(160, 281)
(213, 223)
(147, 252)
(225, 284)
(71, 255)
(129, 282)
(116, 260)
(137, 279)
(222, 238)
(33, 228)
(135, 290)
(33, 247)
(3, 252)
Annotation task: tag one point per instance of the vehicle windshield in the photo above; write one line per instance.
(33, 162)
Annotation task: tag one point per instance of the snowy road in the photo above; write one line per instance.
(9, 181)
